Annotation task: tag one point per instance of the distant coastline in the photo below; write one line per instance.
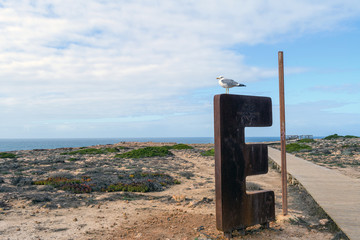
(52, 143)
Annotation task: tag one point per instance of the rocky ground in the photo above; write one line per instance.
(341, 154)
(75, 194)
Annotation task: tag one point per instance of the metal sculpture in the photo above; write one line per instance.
(234, 161)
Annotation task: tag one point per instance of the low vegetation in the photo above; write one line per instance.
(306, 140)
(130, 187)
(142, 182)
(152, 151)
(210, 152)
(93, 151)
(180, 146)
(350, 146)
(335, 136)
(146, 152)
(7, 155)
(63, 183)
(134, 182)
(350, 136)
(296, 147)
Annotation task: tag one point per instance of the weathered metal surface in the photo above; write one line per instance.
(235, 160)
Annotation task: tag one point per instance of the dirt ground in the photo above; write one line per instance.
(181, 211)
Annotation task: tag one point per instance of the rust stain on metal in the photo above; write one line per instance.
(235, 160)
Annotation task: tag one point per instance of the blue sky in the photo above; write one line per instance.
(149, 68)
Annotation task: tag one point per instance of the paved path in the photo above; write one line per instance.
(337, 194)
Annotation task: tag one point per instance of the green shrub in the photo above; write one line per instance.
(7, 155)
(350, 136)
(128, 187)
(350, 146)
(77, 188)
(111, 150)
(333, 136)
(295, 147)
(141, 182)
(72, 185)
(146, 152)
(210, 152)
(181, 146)
(306, 140)
(128, 182)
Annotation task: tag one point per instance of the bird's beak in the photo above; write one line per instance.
(217, 78)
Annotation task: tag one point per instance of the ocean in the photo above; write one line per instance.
(52, 143)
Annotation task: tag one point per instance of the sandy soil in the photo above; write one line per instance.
(182, 211)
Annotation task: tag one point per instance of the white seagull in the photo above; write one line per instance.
(228, 83)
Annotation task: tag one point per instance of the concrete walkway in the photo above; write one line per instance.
(337, 194)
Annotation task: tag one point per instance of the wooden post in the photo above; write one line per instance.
(282, 135)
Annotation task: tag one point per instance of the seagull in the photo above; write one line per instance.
(228, 83)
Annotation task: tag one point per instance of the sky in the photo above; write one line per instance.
(87, 68)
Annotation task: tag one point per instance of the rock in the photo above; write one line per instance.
(323, 221)
(179, 198)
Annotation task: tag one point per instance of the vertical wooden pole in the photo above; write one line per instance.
(282, 135)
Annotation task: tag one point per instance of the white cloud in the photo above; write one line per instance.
(112, 59)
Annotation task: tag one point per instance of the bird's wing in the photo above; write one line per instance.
(230, 82)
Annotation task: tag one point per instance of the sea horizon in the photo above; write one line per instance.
(17, 144)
